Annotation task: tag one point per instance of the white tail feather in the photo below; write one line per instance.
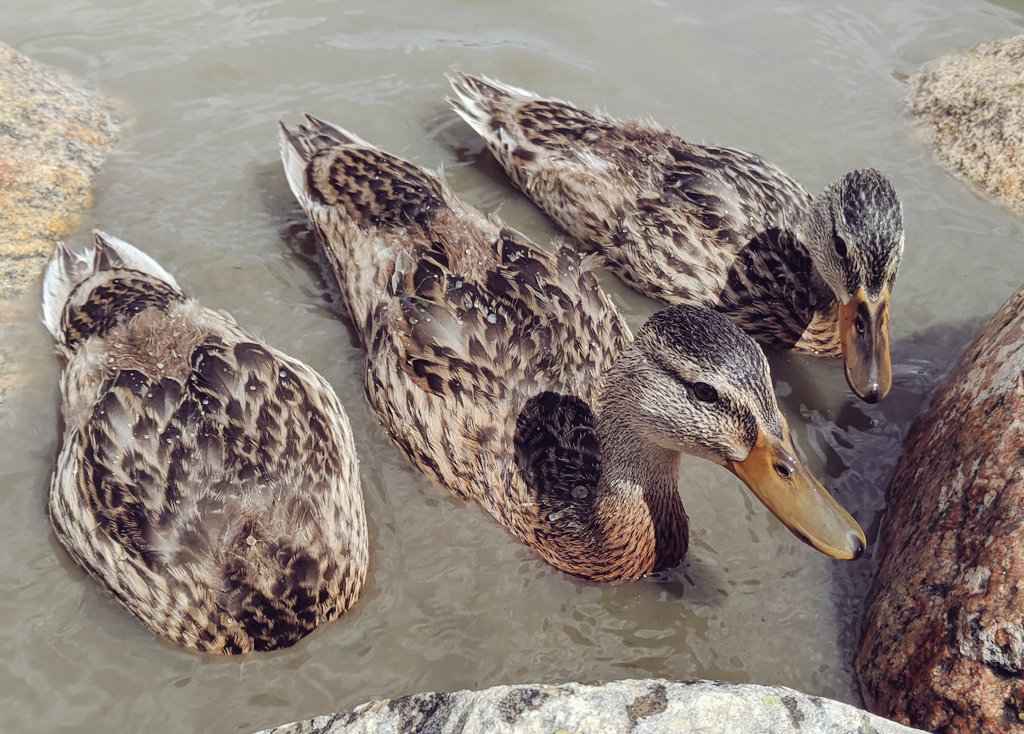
(130, 257)
(471, 104)
(462, 88)
(67, 269)
(338, 132)
(294, 168)
(299, 145)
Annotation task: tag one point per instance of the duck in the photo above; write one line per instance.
(206, 480)
(706, 225)
(505, 374)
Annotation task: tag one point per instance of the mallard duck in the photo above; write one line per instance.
(207, 480)
(687, 223)
(506, 375)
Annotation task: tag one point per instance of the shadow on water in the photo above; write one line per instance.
(297, 240)
(864, 443)
(475, 174)
(694, 581)
(453, 134)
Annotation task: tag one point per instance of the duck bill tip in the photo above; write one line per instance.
(864, 335)
(778, 477)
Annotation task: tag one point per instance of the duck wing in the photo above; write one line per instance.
(669, 216)
(470, 329)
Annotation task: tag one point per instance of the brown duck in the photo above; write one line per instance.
(505, 374)
(704, 225)
(207, 480)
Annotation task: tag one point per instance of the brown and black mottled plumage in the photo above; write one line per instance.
(695, 224)
(206, 479)
(505, 374)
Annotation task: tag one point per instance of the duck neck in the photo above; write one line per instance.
(637, 502)
(821, 335)
(632, 467)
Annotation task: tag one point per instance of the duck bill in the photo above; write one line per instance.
(776, 474)
(864, 334)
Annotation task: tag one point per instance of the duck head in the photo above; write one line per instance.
(854, 234)
(701, 386)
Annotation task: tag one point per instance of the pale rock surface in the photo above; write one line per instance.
(970, 106)
(54, 135)
(641, 706)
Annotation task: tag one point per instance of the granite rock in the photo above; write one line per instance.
(971, 108)
(53, 138)
(943, 631)
(643, 706)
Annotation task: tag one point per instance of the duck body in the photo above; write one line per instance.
(489, 359)
(693, 224)
(464, 321)
(206, 479)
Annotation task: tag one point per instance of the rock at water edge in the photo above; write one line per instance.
(970, 107)
(943, 644)
(53, 138)
(648, 706)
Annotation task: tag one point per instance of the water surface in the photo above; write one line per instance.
(453, 601)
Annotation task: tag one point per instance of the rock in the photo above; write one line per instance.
(53, 138)
(971, 108)
(943, 644)
(649, 706)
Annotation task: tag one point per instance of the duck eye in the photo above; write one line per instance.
(703, 391)
(839, 244)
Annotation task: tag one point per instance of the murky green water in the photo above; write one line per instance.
(453, 601)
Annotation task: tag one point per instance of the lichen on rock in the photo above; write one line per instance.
(54, 134)
(642, 706)
(970, 106)
(943, 641)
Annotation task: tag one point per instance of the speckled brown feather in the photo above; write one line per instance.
(484, 353)
(679, 222)
(206, 479)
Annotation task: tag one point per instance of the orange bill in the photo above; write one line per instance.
(864, 334)
(776, 474)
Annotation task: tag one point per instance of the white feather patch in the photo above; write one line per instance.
(132, 258)
(68, 268)
(65, 271)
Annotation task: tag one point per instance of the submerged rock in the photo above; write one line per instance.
(650, 706)
(971, 108)
(943, 644)
(53, 138)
